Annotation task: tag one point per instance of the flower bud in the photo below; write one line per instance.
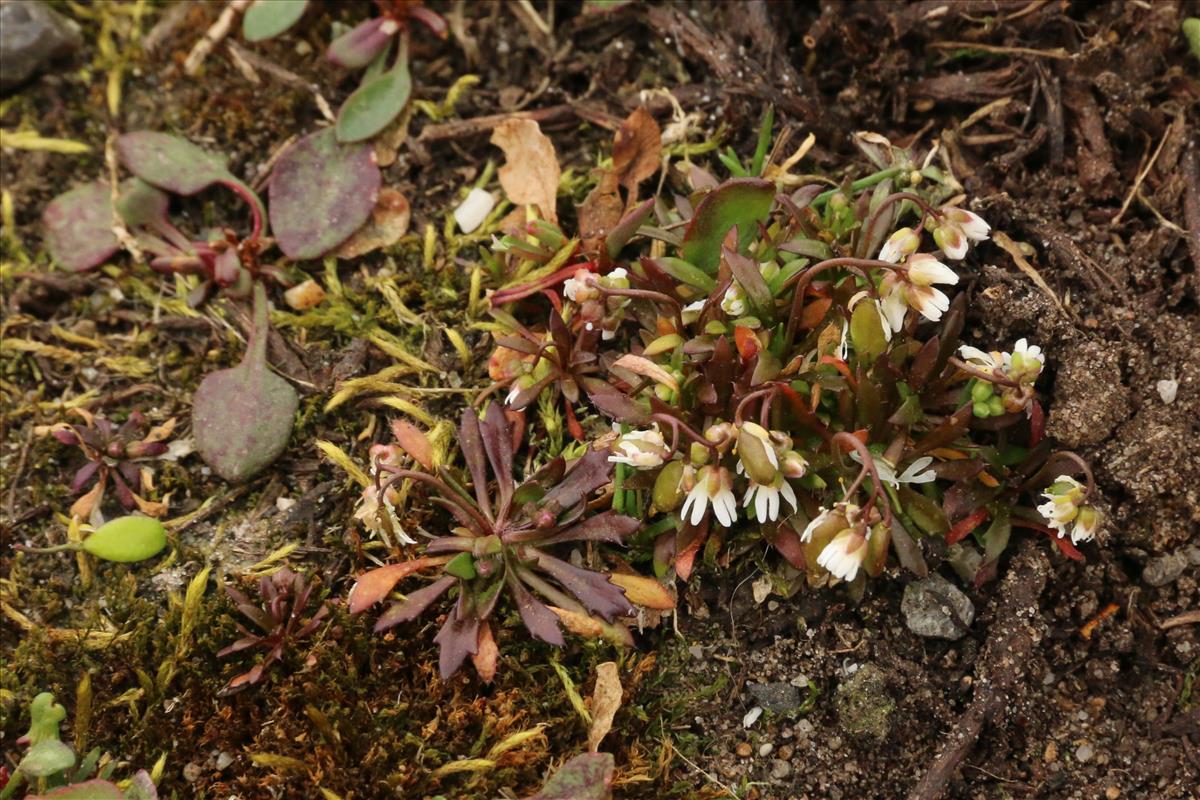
(756, 454)
(668, 490)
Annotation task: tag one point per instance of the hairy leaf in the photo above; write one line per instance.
(643, 591)
(321, 193)
(79, 227)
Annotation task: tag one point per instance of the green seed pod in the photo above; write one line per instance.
(462, 566)
(981, 391)
(668, 493)
(127, 539)
(996, 406)
(982, 411)
(753, 453)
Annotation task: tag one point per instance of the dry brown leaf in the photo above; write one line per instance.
(304, 296)
(531, 172)
(600, 211)
(644, 592)
(637, 150)
(389, 221)
(486, 654)
(647, 369)
(606, 699)
(1009, 246)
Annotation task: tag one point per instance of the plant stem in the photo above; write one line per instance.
(858, 185)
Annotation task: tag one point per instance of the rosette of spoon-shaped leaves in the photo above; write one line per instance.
(504, 544)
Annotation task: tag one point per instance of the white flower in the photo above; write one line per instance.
(956, 229)
(472, 211)
(379, 517)
(766, 499)
(1066, 511)
(1025, 362)
(981, 358)
(713, 485)
(817, 521)
(580, 287)
(900, 244)
(915, 289)
(733, 302)
(844, 555)
(691, 312)
(640, 449)
(916, 472)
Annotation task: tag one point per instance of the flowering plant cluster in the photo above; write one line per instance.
(780, 365)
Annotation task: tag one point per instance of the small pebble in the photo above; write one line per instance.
(743, 750)
(1084, 753)
(835, 742)
(765, 749)
(1167, 390)
(1051, 753)
(780, 769)
(786, 752)
(752, 716)
(804, 728)
(1112, 793)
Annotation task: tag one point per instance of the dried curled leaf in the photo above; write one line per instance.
(531, 172)
(606, 699)
(387, 224)
(637, 149)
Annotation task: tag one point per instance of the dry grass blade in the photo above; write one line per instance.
(1013, 249)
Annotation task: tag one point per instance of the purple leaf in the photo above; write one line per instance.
(497, 441)
(414, 604)
(84, 476)
(88, 790)
(242, 417)
(538, 619)
(593, 589)
(614, 403)
(624, 230)
(470, 442)
(590, 472)
(607, 527)
(170, 162)
(375, 104)
(584, 777)
(745, 269)
(321, 193)
(79, 227)
(142, 205)
(741, 201)
(359, 46)
(457, 639)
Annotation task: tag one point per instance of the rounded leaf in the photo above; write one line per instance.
(268, 18)
(170, 162)
(46, 758)
(141, 205)
(88, 790)
(374, 104)
(127, 539)
(743, 202)
(79, 227)
(321, 193)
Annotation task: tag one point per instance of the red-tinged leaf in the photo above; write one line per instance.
(741, 202)
(358, 47)
(470, 442)
(814, 313)
(615, 403)
(961, 529)
(413, 604)
(746, 341)
(588, 474)
(486, 655)
(745, 270)
(946, 432)
(497, 443)
(242, 417)
(79, 227)
(785, 539)
(573, 426)
(686, 557)
(624, 230)
(584, 777)
(414, 442)
(1037, 423)
(321, 192)
(373, 586)
(1064, 544)
(593, 589)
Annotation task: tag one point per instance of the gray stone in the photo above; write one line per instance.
(780, 769)
(1162, 570)
(863, 703)
(937, 608)
(31, 34)
(777, 697)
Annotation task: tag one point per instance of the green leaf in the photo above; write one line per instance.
(268, 18)
(242, 417)
(375, 104)
(127, 539)
(745, 271)
(46, 758)
(321, 192)
(866, 332)
(88, 790)
(142, 205)
(742, 202)
(681, 270)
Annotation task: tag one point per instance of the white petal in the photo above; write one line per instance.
(925, 270)
(975, 354)
(956, 249)
(894, 308)
(890, 252)
(788, 494)
(914, 473)
(974, 226)
(773, 504)
(883, 322)
(812, 526)
(930, 303)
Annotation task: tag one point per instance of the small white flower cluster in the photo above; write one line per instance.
(845, 536)
(1067, 510)
(377, 512)
(1016, 372)
(594, 308)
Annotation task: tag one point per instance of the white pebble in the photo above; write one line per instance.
(471, 213)
(751, 716)
(1167, 390)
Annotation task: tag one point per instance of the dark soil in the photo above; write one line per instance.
(1048, 113)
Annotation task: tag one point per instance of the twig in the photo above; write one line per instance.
(1116, 220)
(255, 61)
(461, 129)
(215, 34)
(1002, 667)
(1191, 210)
(166, 26)
(1186, 618)
(1056, 52)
